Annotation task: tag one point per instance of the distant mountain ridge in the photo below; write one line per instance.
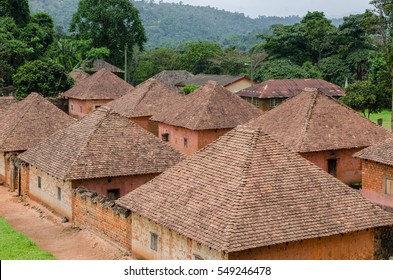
(172, 24)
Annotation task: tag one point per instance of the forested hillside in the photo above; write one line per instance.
(170, 24)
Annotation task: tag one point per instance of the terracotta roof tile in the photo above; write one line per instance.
(102, 144)
(202, 79)
(312, 121)
(30, 121)
(101, 85)
(148, 98)
(381, 152)
(78, 75)
(172, 77)
(5, 103)
(290, 87)
(246, 190)
(100, 64)
(209, 107)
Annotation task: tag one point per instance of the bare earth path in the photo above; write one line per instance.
(44, 228)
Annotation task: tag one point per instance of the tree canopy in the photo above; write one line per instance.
(17, 9)
(109, 23)
(44, 76)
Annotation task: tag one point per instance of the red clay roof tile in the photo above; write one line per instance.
(312, 121)
(102, 144)
(246, 191)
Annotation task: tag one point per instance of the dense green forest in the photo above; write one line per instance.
(171, 24)
(36, 55)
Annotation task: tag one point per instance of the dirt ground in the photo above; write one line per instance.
(43, 227)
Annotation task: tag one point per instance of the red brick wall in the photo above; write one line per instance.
(98, 214)
(373, 177)
(142, 121)
(348, 167)
(88, 106)
(205, 137)
(176, 138)
(126, 184)
(350, 246)
(196, 139)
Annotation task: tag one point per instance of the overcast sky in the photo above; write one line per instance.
(254, 8)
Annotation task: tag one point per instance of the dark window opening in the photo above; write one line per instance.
(97, 106)
(80, 107)
(113, 194)
(58, 193)
(153, 241)
(185, 142)
(39, 182)
(332, 167)
(165, 137)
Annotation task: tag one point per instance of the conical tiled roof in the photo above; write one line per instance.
(312, 121)
(284, 88)
(30, 121)
(381, 152)
(78, 75)
(102, 144)
(101, 85)
(246, 190)
(5, 103)
(209, 107)
(201, 79)
(99, 64)
(172, 77)
(146, 99)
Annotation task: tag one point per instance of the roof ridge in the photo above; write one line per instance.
(205, 104)
(90, 137)
(234, 217)
(20, 119)
(308, 118)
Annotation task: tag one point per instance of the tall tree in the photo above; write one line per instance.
(200, 57)
(364, 96)
(13, 52)
(42, 76)
(17, 9)
(318, 32)
(38, 34)
(382, 24)
(109, 23)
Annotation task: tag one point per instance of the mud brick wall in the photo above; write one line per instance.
(373, 175)
(102, 216)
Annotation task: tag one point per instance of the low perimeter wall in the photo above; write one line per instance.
(102, 216)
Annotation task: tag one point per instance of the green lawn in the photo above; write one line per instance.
(17, 246)
(385, 116)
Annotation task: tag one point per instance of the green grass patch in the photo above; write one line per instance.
(385, 115)
(17, 246)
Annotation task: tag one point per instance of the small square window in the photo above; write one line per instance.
(58, 193)
(113, 194)
(39, 182)
(165, 137)
(153, 241)
(185, 142)
(273, 102)
(72, 107)
(256, 102)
